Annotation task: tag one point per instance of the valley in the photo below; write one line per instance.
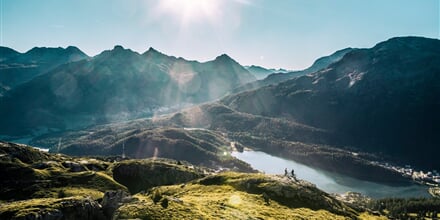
(219, 109)
(350, 123)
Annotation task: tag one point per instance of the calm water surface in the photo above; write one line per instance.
(329, 182)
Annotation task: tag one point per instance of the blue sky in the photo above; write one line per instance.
(271, 33)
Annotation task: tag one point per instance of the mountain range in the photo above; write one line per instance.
(377, 101)
(276, 76)
(17, 68)
(261, 72)
(384, 99)
(117, 84)
(343, 114)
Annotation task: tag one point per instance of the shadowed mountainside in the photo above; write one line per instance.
(115, 85)
(384, 99)
(17, 68)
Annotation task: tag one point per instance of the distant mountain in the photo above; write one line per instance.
(6, 53)
(261, 72)
(17, 68)
(280, 76)
(115, 85)
(384, 99)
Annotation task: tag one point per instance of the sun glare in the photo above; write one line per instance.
(192, 11)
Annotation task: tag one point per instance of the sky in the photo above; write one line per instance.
(288, 34)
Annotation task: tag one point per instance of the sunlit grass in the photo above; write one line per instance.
(215, 202)
(236, 196)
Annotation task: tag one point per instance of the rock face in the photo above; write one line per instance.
(383, 99)
(112, 200)
(73, 166)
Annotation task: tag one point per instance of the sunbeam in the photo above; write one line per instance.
(191, 11)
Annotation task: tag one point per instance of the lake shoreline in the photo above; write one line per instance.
(328, 181)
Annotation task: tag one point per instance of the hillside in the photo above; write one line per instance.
(115, 85)
(383, 99)
(204, 135)
(199, 147)
(62, 187)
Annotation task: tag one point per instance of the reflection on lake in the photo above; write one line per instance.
(329, 182)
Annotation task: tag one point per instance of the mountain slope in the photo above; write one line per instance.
(383, 99)
(237, 196)
(17, 68)
(6, 53)
(279, 76)
(199, 147)
(115, 85)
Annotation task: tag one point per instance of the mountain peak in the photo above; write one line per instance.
(152, 50)
(223, 57)
(117, 52)
(40, 50)
(75, 50)
(118, 47)
(156, 55)
(408, 42)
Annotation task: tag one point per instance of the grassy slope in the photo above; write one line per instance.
(238, 196)
(29, 173)
(199, 147)
(77, 206)
(39, 184)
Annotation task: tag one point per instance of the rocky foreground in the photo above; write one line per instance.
(38, 185)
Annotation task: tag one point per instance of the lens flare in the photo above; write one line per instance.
(190, 11)
(235, 200)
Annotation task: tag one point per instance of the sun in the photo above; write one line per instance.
(192, 11)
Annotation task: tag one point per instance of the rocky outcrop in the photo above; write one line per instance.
(73, 166)
(9, 151)
(53, 209)
(113, 200)
(28, 173)
(139, 175)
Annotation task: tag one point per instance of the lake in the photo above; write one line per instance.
(327, 181)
